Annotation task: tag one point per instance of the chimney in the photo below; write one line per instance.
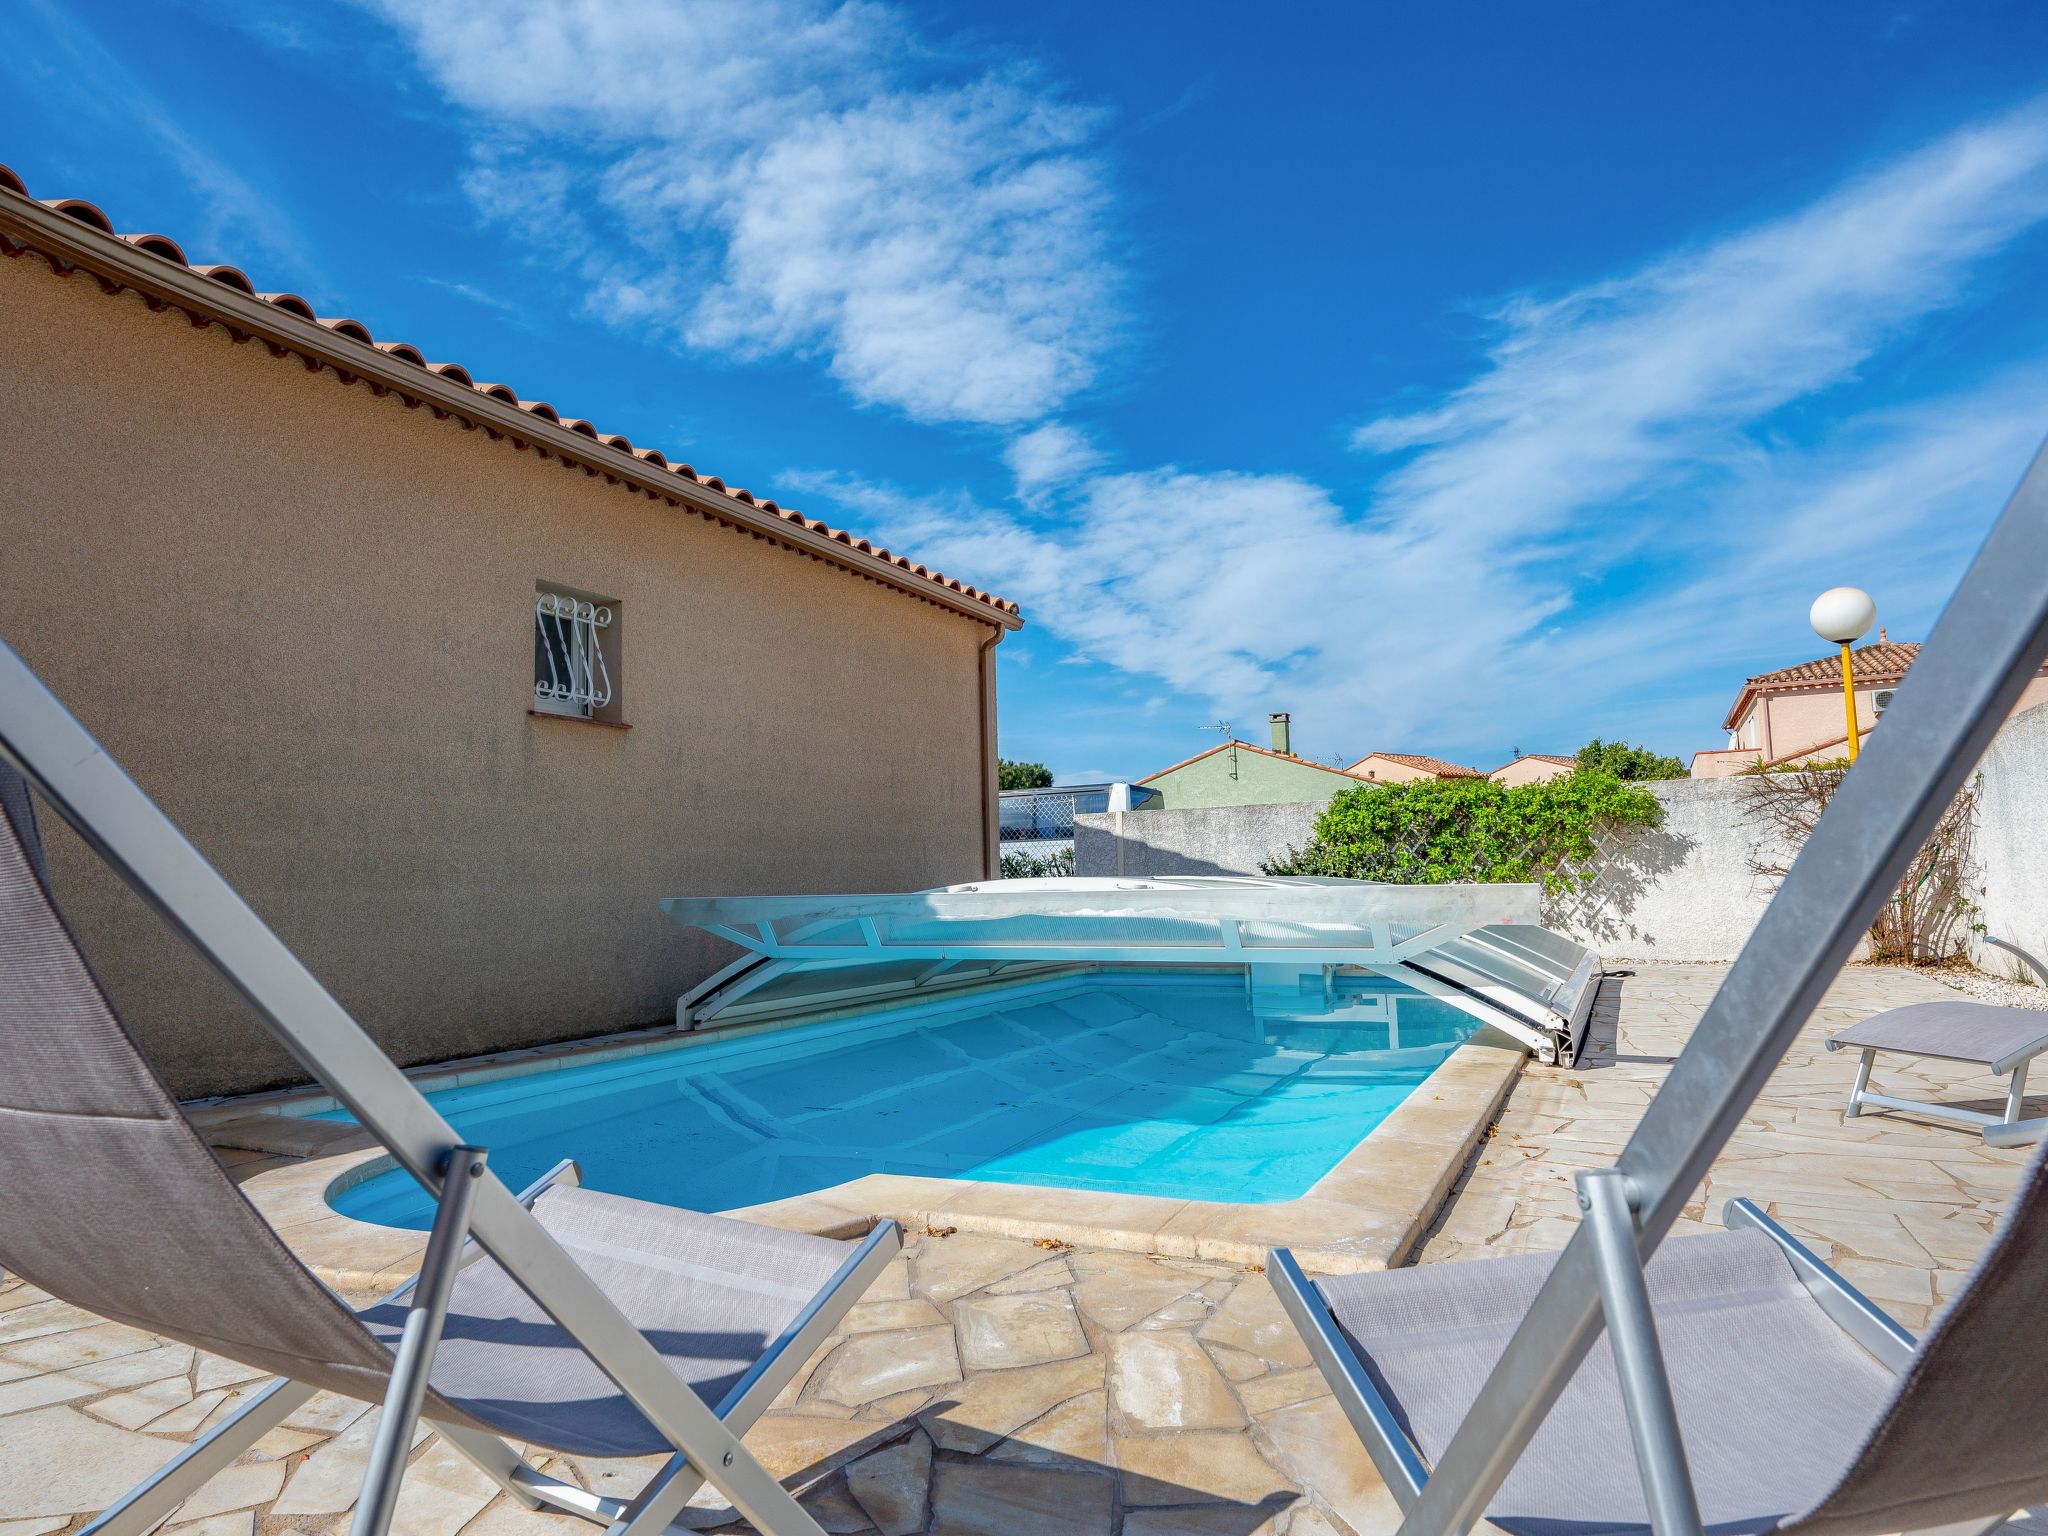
(1882, 637)
(1280, 736)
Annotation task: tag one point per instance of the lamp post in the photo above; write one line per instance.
(1844, 615)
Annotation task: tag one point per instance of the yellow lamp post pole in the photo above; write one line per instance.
(1844, 615)
(1849, 698)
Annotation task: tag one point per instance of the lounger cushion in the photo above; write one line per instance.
(1773, 1399)
(710, 1293)
(1979, 1032)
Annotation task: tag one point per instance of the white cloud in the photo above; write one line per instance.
(1607, 389)
(58, 66)
(1594, 533)
(792, 177)
(1048, 457)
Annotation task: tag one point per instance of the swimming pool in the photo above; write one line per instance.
(1152, 1083)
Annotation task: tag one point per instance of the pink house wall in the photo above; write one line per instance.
(1790, 722)
(1384, 770)
(1527, 770)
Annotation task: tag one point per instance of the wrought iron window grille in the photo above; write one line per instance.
(570, 673)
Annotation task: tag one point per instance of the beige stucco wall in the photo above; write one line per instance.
(1384, 770)
(1527, 770)
(301, 617)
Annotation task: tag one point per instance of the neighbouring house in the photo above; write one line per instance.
(1238, 773)
(452, 686)
(1796, 714)
(1533, 768)
(1400, 767)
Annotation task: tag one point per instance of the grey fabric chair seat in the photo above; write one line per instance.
(1773, 1398)
(710, 1293)
(1954, 1031)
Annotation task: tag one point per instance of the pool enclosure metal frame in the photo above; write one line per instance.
(1990, 639)
(1457, 943)
(78, 779)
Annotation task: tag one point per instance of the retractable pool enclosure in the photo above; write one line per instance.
(1478, 948)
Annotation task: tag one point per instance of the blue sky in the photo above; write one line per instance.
(1457, 378)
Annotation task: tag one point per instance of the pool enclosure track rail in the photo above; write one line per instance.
(1991, 638)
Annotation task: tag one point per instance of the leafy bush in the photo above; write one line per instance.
(1026, 866)
(1633, 764)
(1435, 831)
(1015, 775)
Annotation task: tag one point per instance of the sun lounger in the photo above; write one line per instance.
(2002, 1040)
(1804, 1408)
(1759, 1391)
(569, 1319)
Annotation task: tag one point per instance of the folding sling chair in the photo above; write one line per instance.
(2004, 1041)
(1803, 1406)
(574, 1320)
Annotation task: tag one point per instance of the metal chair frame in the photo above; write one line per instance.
(476, 1213)
(1991, 638)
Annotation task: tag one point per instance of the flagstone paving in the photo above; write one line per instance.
(1007, 1386)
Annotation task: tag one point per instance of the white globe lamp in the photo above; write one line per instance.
(1844, 615)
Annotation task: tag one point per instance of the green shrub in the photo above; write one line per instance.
(1026, 866)
(1627, 762)
(1436, 831)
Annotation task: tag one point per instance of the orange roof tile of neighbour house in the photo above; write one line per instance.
(1882, 661)
(1416, 760)
(75, 236)
(1548, 757)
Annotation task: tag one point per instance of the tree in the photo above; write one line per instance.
(1015, 775)
(1625, 762)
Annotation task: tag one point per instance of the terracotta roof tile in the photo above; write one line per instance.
(161, 245)
(237, 279)
(291, 303)
(1883, 661)
(164, 248)
(77, 207)
(1435, 765)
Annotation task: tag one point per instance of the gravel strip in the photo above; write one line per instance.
(1983, 987)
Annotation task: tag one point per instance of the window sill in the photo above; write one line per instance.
(610, 725)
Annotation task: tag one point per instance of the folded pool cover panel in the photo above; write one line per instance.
(1478, 947)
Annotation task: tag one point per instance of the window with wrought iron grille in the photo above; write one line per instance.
(575, 655)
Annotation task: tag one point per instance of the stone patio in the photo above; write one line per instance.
(1007, 1385)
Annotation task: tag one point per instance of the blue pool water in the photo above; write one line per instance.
(1152, 1084)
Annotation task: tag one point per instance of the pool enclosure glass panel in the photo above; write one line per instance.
(1476, 947)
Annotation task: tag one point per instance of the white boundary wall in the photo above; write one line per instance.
(2012, 838)
(1687, 891)
(1200, 840)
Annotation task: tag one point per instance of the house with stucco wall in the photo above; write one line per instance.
(1796, 714)
(1401, 767)
(1533, 768)
(1239, 773)
(454, 686)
